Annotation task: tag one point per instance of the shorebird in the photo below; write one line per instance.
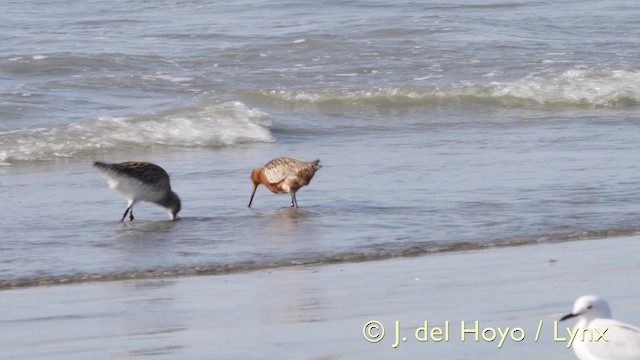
(284, 175)
(598, 337)
(141, 181)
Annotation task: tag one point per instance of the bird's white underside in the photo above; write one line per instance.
(133, 189)
(623, 341)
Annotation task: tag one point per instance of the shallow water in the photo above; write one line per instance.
(440, 127)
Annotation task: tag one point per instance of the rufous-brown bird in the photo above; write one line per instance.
(284, 175)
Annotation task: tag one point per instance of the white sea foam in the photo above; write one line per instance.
(165, 77)
(578, 88)
(210, 126)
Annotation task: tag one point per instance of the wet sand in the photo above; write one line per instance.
(318, 312)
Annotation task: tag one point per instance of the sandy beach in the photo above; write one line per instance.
(318, 312)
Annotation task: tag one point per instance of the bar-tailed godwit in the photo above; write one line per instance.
(141, 181)
(284, 175)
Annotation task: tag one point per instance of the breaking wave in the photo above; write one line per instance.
(576, 88)
(212, 126)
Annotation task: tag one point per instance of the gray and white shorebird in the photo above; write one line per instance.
(598, 336)
(284, 175)
(141, 181)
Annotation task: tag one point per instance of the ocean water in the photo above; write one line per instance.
(440, 125)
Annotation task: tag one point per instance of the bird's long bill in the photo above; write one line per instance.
(568, 316)
(255, 187)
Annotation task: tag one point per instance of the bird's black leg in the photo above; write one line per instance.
(125, 213)
(131, 214)
(294, 201)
